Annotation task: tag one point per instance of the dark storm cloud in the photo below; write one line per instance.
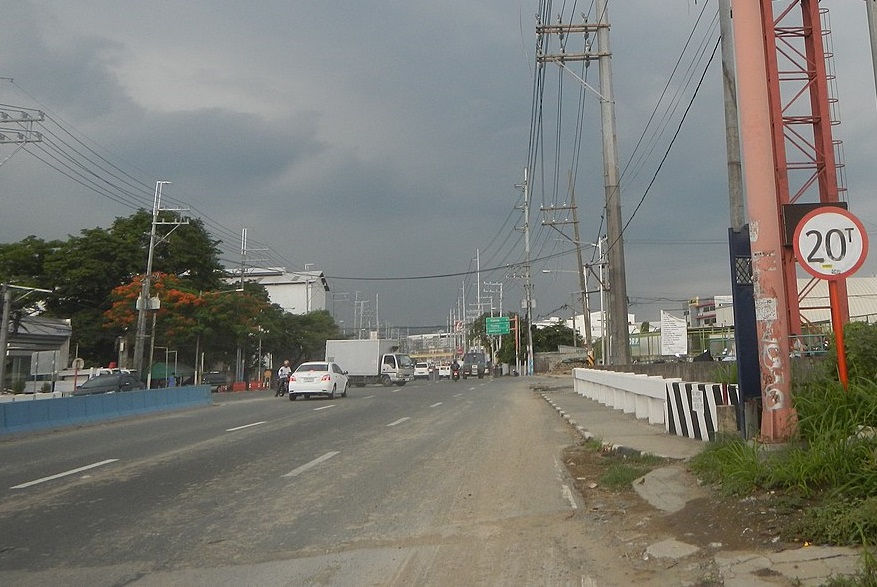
(386, 138)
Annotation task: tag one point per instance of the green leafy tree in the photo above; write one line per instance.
(23, 264)
(301, 337)
(85, 270)
(215, 322)
(548, 339)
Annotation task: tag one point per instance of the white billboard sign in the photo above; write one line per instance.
(674, 335)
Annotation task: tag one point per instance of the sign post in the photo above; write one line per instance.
(831, 244)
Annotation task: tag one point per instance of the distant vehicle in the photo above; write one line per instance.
(444, 371)
(216, 380)
(422, 370)
(371, 361)
(109, 383)
(318, 378)
(474, 365)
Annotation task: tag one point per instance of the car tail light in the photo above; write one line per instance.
(326, 377)
(291, 378)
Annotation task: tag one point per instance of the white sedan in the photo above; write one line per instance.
(318, 378)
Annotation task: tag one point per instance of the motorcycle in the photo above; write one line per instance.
(282, 387)
(455, 374)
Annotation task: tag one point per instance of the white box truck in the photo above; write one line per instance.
(371, 361)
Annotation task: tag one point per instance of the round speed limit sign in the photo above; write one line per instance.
(830, 243)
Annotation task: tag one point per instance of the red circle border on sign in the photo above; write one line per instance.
(852, 218)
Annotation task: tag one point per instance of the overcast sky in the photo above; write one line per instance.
(385, 139)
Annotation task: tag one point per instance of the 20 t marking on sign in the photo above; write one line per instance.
(830, 243)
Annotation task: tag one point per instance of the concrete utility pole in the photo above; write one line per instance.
(143, 303)
(4, 333)
(583, 282)
(528, 284)
(617, 279)
(6, 296)
(732, 132)
(619, 333)
(872, 26)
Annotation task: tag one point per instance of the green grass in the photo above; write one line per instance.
(625, 469)
(831, 467)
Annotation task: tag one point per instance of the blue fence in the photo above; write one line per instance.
(28, 416)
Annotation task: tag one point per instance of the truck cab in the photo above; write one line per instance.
(396, 368)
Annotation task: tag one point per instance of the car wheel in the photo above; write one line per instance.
(344, 393)
(292, 397)
(332, 393)
(385, 380)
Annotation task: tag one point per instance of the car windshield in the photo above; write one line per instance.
(474, 358)
(405, 361)
(312, 367)
(100, 381)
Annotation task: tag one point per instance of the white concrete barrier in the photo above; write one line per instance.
(642, 395)
(683, 408)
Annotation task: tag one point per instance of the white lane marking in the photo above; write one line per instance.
(457, 394)
(567, 493)
(312, 464)
(399, 421)
(324, 407)
(64, 474)
(368, 396)
(565, 490)
(435, 405)
(245, 426)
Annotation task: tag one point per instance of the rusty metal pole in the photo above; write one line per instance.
(778, 415)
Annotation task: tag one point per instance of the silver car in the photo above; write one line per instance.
(318, 378)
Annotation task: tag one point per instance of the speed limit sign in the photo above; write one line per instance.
(830, 243)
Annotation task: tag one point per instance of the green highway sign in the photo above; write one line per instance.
(497, 326)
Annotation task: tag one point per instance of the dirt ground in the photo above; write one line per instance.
(713, 523)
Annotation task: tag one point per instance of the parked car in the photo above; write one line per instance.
(421, 370)
(216, 380)
(109, 383)
(318, 378)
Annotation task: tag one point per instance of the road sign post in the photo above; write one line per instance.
(831, 244)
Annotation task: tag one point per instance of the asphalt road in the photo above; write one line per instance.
(388, 486)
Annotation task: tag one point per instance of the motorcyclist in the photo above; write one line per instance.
(283, 374)
(455, 370)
